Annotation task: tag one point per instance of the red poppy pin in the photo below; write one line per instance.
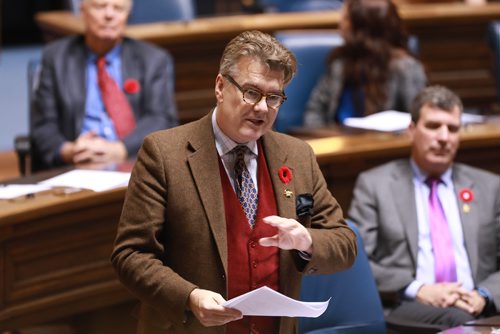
(466, 195)
(131, 86)
(285, 174)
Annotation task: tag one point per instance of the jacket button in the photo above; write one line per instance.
(223, 277)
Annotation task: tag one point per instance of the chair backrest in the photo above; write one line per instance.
(355, 306)
(146, 11)
(298, 5)
(311, 49)
(494, 42)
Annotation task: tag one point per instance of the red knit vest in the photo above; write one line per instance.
(250, 265)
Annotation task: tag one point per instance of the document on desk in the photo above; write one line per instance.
(392, 120)
(389, 120)
(12, 191)
(267, 302)
(95, 180)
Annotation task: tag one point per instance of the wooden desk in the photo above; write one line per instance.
(54, 250)
(452, 39)
(54, 256)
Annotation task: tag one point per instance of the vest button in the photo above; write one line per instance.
(223, 277)
(254, 264)
(252, 244)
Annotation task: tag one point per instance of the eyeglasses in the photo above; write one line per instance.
(253, 96)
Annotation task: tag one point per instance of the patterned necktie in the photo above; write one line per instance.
(245, 188)
(442, 243)
(115, 101)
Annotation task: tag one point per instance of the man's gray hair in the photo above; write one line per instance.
(435, 96)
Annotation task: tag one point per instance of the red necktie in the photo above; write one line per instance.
(442, 242)
(115, 102)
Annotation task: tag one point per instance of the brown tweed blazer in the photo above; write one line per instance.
(172, 233)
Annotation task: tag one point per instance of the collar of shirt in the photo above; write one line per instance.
(111, 57)
(421, 176)
(224, 144)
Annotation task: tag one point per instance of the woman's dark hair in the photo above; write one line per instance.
(375, 28)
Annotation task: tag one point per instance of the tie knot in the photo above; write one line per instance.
(432, 181)
(239, 152)
(101, 62)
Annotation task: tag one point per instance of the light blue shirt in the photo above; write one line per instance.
(425, 258)
(224, 145)
(96, 118)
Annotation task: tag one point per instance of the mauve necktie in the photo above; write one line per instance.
(442, 243)
(115, 101)
(245, 188)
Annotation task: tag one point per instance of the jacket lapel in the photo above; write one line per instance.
(276, 157)
(131, 69)
(204, 164)
(467, 217)
(403, 195)
(76, 82)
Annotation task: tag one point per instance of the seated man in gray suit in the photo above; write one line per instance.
(101, 93)
(431, 227)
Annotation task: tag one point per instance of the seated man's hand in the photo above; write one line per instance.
(207, 307)
(440, 294)
(90, 148)
(291, 235)
(471, 302)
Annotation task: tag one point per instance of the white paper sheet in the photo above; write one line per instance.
(267, 302)
(11, 191)
(389, 120)
(89, 179)
(392, 120)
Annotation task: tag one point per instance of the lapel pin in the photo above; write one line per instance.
(288, 193)
(466, 208)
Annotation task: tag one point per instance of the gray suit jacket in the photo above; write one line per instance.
(172, 232)
(384, 209)
(59, 101)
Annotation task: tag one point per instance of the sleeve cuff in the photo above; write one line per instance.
(412, 289)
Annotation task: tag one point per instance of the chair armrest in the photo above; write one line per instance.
(22, 146)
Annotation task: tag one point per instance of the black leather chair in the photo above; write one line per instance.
(22, 143)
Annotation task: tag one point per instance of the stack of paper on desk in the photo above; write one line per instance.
(95, 180)
(267, 302)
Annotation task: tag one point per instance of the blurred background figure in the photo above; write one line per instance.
(372, 71)
(99, 94)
